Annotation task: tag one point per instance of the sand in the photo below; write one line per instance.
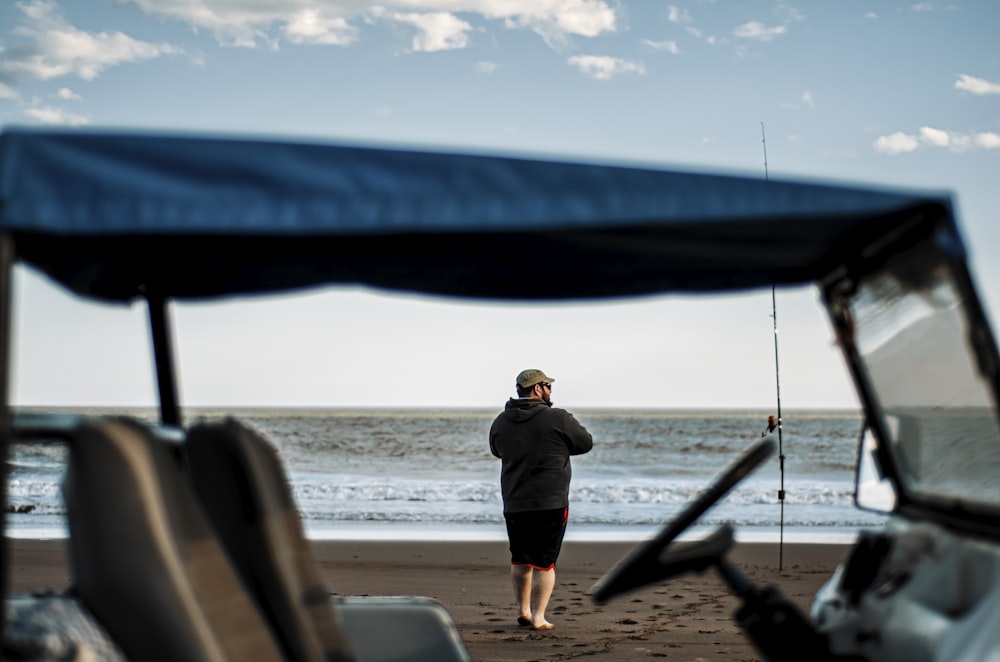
(686, 618)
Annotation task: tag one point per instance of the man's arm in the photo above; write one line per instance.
(493, 448)
(578, 440)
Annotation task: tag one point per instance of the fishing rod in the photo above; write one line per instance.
(773, 423)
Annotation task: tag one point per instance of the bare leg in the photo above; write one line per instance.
(545, 581)
(520, 576)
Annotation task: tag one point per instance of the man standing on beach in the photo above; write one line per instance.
(534, 442)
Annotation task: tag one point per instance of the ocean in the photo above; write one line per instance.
(428, 473)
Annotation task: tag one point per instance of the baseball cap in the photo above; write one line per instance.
(531, 377)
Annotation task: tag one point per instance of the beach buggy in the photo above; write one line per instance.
(184, 542)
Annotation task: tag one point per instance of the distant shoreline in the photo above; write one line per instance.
(264, 410)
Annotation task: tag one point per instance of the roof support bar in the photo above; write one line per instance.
(6, 436)
(166, 376)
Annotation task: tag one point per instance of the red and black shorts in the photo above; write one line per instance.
(536, 536)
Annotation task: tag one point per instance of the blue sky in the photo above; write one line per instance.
(896, 94)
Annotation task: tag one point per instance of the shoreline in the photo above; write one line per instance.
(577, 532)
(686, 618)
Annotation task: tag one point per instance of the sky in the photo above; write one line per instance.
(895, 94)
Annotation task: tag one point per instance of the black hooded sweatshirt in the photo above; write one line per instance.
(535, 441)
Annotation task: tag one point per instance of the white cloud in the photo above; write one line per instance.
(934, 137)
(251, 22)
(960, 142)
(668, 46)
(976, 85)
(485, 67)
(58, 49)
(310, 26)
(807, 99)
(678, 15)
(585, 18)
(55, 116)
(988, 140)
(67, 94)
(954, 141)
(871, 14)
(439, 31)
(896, 143)
(922, 6)
(758, 31)
(8, 92)
(603, 67)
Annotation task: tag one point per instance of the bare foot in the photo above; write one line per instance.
(543, 626)
(524, 620)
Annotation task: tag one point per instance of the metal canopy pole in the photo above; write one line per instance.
(6, 436)
(166, 376)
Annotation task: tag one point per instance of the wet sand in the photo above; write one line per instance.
(686, 618)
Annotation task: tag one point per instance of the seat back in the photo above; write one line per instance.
(143, 556)
(240, 481)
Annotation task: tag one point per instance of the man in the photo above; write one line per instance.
(534, 441)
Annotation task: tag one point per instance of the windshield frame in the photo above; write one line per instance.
(939, 235)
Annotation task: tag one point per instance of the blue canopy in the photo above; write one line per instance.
(115, 215)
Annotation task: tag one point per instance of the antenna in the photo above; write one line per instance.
(773, 423)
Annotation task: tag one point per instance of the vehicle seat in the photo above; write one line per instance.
(240, 481)
(144, 558)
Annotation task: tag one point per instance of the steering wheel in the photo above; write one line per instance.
(652, 561)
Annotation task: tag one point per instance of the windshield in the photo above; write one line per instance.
(914, 339)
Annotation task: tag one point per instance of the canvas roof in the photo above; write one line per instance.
(116, 215)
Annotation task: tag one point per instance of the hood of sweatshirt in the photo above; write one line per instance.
(519, 410)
